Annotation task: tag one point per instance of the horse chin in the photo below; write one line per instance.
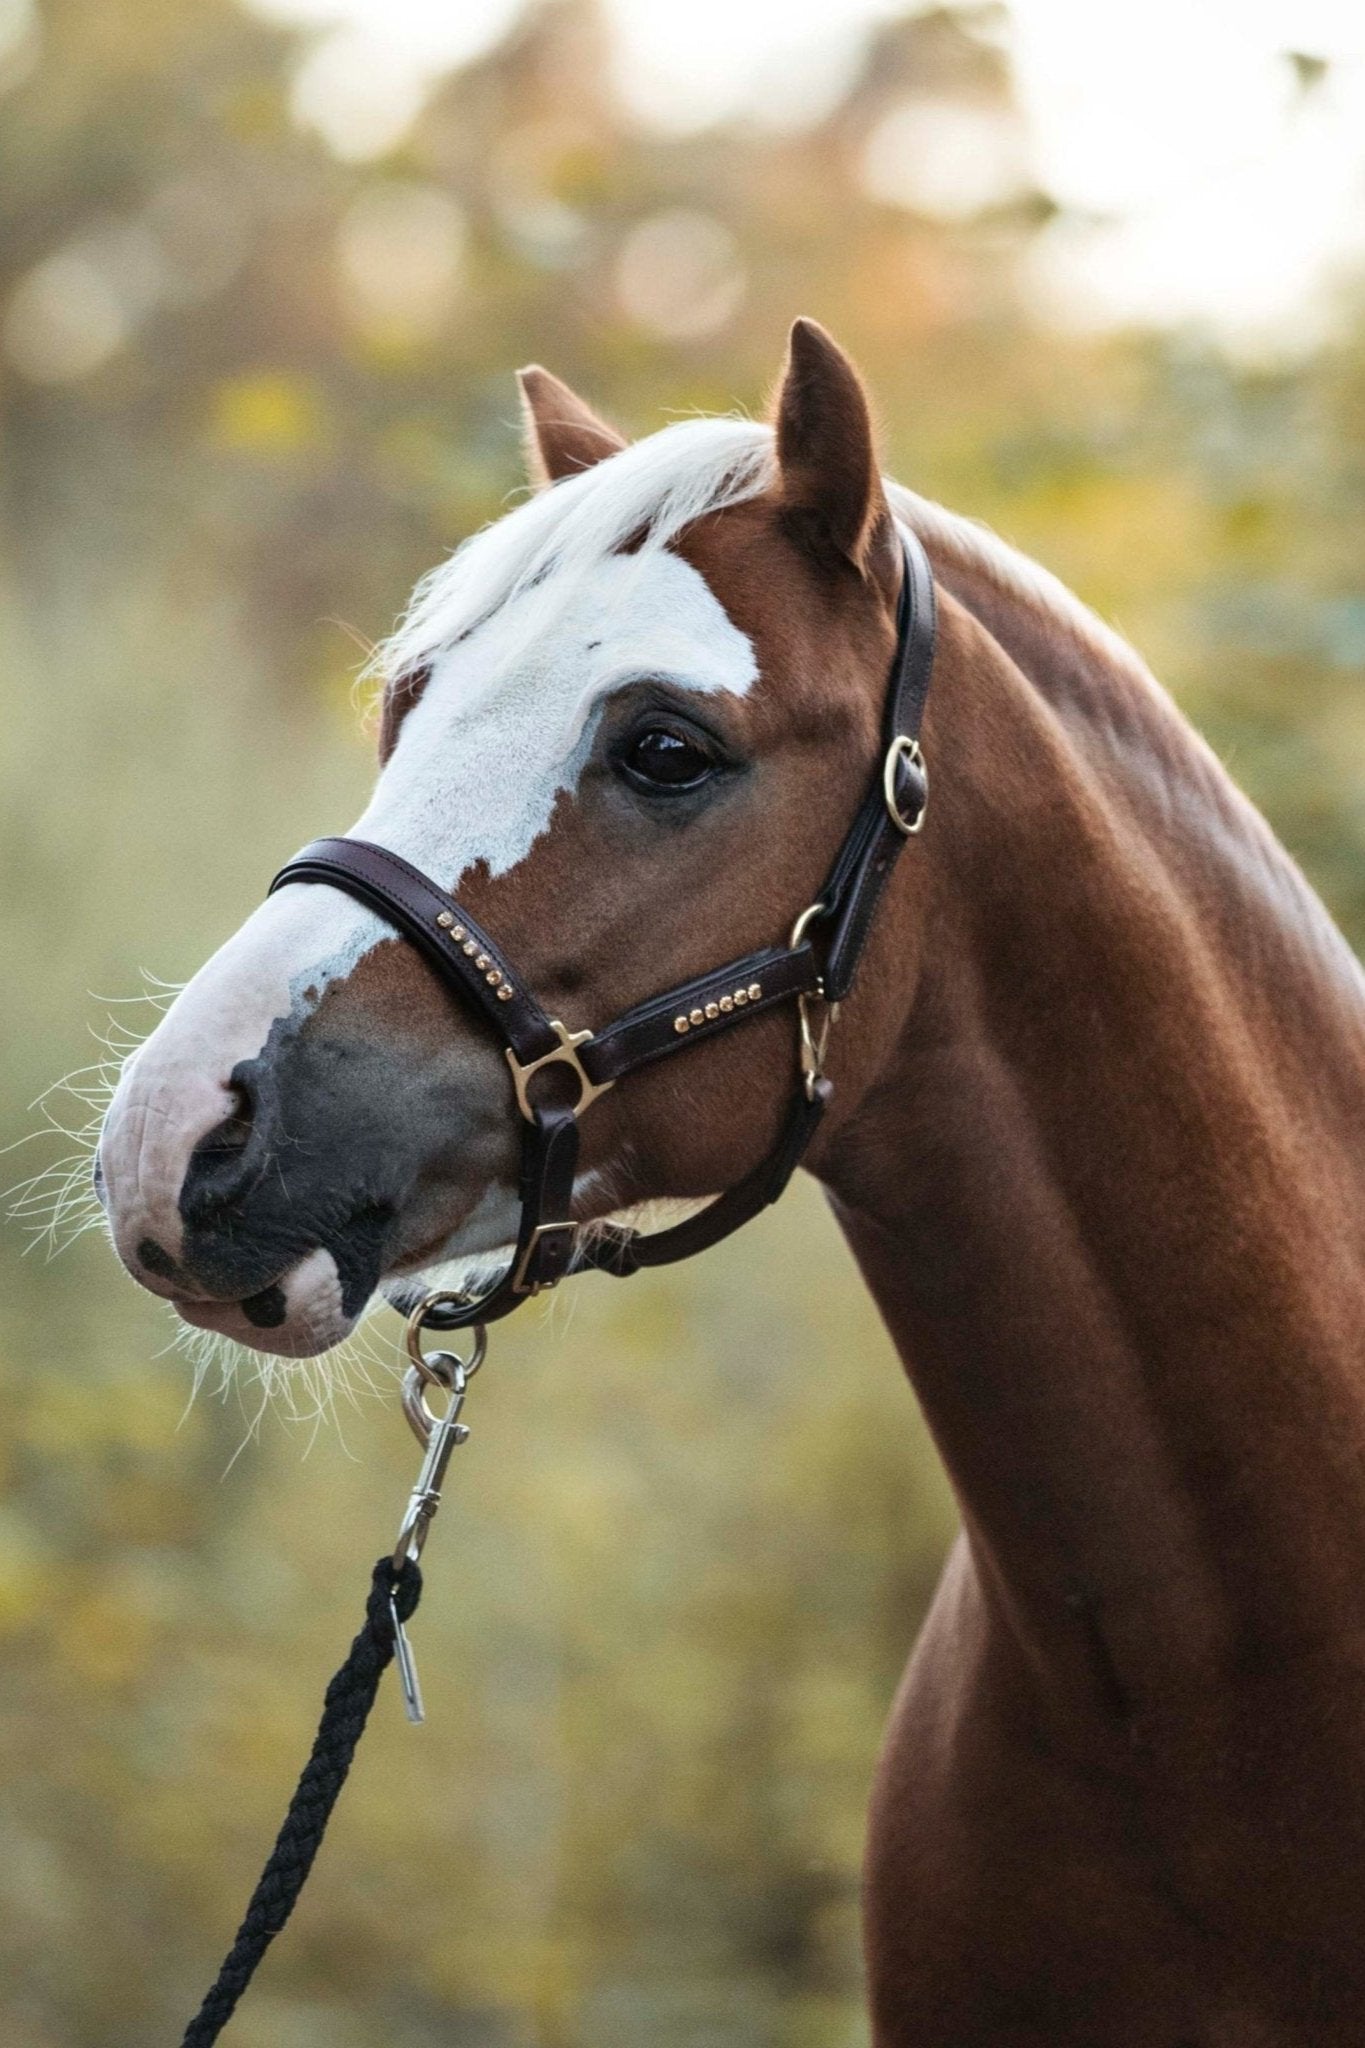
(468, 1273)
(448, 1269)
(461, 1258)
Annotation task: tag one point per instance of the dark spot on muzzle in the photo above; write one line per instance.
(150, 1255)
(265, 1310)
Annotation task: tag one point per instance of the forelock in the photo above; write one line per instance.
(642, 497)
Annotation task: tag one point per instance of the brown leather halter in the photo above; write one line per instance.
(548, 1243)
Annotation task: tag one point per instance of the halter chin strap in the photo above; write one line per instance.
(471, 964)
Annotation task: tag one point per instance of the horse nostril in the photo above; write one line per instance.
(230, 1138)
(219, 1165)
(151, 1255)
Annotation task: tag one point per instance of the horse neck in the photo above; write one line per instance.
(1108, 1190)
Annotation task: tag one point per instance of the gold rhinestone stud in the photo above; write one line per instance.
(727, 1004)
(492, 977)
(696, 1016)
(755, 991)
(457, 932)
(713, 1011)
(741, 998)
(483, 962)
(469, 948)
(445, 920)
(681, 1024)
(505, 993)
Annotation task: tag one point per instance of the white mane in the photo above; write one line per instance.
(651, 490)
(648, 493)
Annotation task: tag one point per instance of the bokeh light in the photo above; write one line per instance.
(943, 159)
(400, 247)
(64, 319)
(1157, 174)
(679, 274)
(359, 92)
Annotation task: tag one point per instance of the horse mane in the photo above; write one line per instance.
(644, 496)
(955, 540)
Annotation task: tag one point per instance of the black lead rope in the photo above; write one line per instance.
(394, 1590)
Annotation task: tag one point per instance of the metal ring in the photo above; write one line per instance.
(430, 1364)
(421, 1419)
(902, 748)
(807, 917)
(564, 1054)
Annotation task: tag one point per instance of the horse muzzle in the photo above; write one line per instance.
(268, 1210)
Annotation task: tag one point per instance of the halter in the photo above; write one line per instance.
(473, 966)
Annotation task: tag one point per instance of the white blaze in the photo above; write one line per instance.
(507, 719)
(503, 727)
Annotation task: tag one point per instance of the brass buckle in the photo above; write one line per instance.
(563, 1054)
(813, 1042)
(905, 749)
(519, 1285)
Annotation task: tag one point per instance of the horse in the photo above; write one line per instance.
(1095, 1134)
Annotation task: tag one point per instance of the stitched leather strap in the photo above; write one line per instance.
(875, 839)
(711, 1003)
(623, 1252)
(466, 960)
(463, 955)
(546, 1238)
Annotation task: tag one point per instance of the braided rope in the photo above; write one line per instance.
(345, 1711)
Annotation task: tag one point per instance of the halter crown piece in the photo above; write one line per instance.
(471, 964)
(548, 1244)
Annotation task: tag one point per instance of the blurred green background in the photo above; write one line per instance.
(250, 388)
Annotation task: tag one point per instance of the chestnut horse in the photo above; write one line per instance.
(1097, 1139)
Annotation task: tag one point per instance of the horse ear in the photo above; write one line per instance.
(831, 488)
(562, 434)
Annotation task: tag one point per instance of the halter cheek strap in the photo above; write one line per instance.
(471, 964)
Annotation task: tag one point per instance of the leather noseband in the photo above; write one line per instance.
(472, 965)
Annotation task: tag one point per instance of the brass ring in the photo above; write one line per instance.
(902, 748)
(808, 916)
(438, 1367)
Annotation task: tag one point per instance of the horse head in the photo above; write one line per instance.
(627, 724)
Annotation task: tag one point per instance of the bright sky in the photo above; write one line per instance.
(1212, 186)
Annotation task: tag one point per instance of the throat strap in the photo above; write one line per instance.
(894, 807)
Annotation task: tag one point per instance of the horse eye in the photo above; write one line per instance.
(660, 758)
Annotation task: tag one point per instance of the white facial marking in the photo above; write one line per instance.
(175, 1086)
(507, 720)
(504, 726)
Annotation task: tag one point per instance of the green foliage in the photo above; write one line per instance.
(693, 1535)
